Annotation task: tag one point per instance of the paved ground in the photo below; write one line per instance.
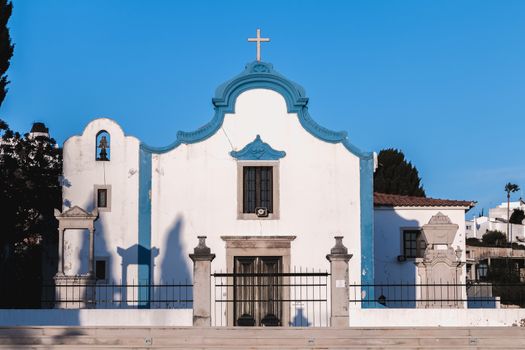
(261, 338)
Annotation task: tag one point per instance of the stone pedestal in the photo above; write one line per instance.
(202, 258)
(75, 292)
(339, 258)
(440, 270)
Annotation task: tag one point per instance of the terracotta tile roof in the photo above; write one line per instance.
(395, 200)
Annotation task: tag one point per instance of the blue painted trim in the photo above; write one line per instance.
(366, 173)
(144, 233)
(258, 150)
(260, 75)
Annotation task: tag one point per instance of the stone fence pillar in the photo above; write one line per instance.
(339, 258)
(202, 258)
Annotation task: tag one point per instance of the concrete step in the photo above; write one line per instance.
(260, 338)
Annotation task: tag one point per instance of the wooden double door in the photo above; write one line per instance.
(257, 291)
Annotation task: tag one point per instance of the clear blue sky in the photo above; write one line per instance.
(444, 81)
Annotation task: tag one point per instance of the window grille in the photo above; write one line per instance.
(413, 244)
(102, 198)
(257, 188)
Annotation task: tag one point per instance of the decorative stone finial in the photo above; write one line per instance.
(201, 248)
(439, 219)
(202, 252)
(339, 251)
(439, 230)
(339, 247)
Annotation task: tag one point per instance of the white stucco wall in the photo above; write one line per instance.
(182, 317)
(436, 317)
(116, 228)
(97, 318)
(388, 226)
(194, 190)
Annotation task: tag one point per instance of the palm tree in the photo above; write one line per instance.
(510, 188)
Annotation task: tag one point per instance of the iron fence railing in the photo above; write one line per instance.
(112, 295)
(297, 299)
(438, 295)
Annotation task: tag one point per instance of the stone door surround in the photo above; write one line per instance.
(258, 246)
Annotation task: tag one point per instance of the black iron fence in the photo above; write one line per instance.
(101, 295)
(438, 295)
(297, 299)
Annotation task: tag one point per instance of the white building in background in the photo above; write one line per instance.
(267, 185)
(497, 221)
(500, 212)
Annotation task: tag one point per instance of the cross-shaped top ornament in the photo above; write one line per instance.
(259, 40)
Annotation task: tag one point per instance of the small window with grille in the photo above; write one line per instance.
(102, 198)
(257, 188)
(413, 244)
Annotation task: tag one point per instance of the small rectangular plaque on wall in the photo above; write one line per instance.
(340, 283)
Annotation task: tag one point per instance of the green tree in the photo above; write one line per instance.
(510, 188)
(494, 238)
(395, 175)
(473, 241)
(517, 216)
(6, 47)
(29, 192)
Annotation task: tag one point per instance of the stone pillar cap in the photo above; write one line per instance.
(339, 251)
(339, 247)
(202, 252)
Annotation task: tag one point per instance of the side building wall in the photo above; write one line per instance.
(389, 224)
(116, 228)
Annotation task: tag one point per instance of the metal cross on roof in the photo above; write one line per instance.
(259, 40)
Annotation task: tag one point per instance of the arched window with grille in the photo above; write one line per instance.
(102, 146)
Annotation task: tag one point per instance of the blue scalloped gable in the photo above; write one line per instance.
(260, 75)
(257, 150)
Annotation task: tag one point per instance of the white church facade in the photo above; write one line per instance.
(269, 188)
